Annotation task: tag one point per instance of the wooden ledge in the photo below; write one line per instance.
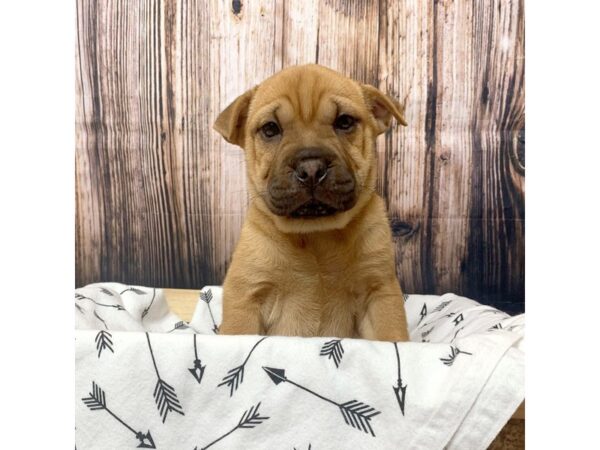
(182, 301)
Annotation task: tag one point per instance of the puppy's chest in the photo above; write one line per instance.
(315, 296)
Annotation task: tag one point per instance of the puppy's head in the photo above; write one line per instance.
(309, 136)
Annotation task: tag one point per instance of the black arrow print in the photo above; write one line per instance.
(207, 297)
(250, 419)
(145, 311)
(498, 326)
(426, 324)
(309, 447)
(107, 292)
(456, 334)
(164, 394)
(103, 341)
(235, 376)
(438, 309)
(458, 319)
(356, 414)
(333, 350)
(400, 388)
(442, 305)
(100, 319)
(78, 296)
(423, 313)
(134, 290)
(424, 334)
(97, 401)
(454, 352)
(198, 370)
(181, 325)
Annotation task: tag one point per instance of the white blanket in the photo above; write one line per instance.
(147, 379)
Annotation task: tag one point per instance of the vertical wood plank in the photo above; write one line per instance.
(240, 54)
(196, 155)
(88, 199)
(452, 155)
(297, 41)
(496, 257)
(347, 38)
(405, 73)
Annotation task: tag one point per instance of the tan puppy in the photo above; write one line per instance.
(315, 255)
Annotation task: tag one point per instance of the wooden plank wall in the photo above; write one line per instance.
(161, 197)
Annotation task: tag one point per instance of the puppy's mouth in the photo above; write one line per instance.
(302, 205)
(313, 208)
(312, 184)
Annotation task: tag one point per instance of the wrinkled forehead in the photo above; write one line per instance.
(306, 95)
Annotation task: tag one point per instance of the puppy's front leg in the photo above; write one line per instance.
(241, 310)
(385, 318)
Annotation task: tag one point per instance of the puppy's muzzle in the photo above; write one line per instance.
(311, 167)
(312, 182)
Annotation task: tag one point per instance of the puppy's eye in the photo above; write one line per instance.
(270, 129)
(344, 122)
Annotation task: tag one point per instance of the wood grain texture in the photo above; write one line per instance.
(511, 437)
(182, 302)
(161, 197)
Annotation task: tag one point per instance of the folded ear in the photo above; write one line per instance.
(231, 123)
(383, 107)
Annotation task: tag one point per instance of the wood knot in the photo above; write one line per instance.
(517, 153)
(445, 157)
(400, 228)
(236, 7)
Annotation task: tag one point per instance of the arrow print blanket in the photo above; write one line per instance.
(147, 379)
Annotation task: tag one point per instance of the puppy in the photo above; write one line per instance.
(315, 255)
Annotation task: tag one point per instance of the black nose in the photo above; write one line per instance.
(310, 167)
(311, 171)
